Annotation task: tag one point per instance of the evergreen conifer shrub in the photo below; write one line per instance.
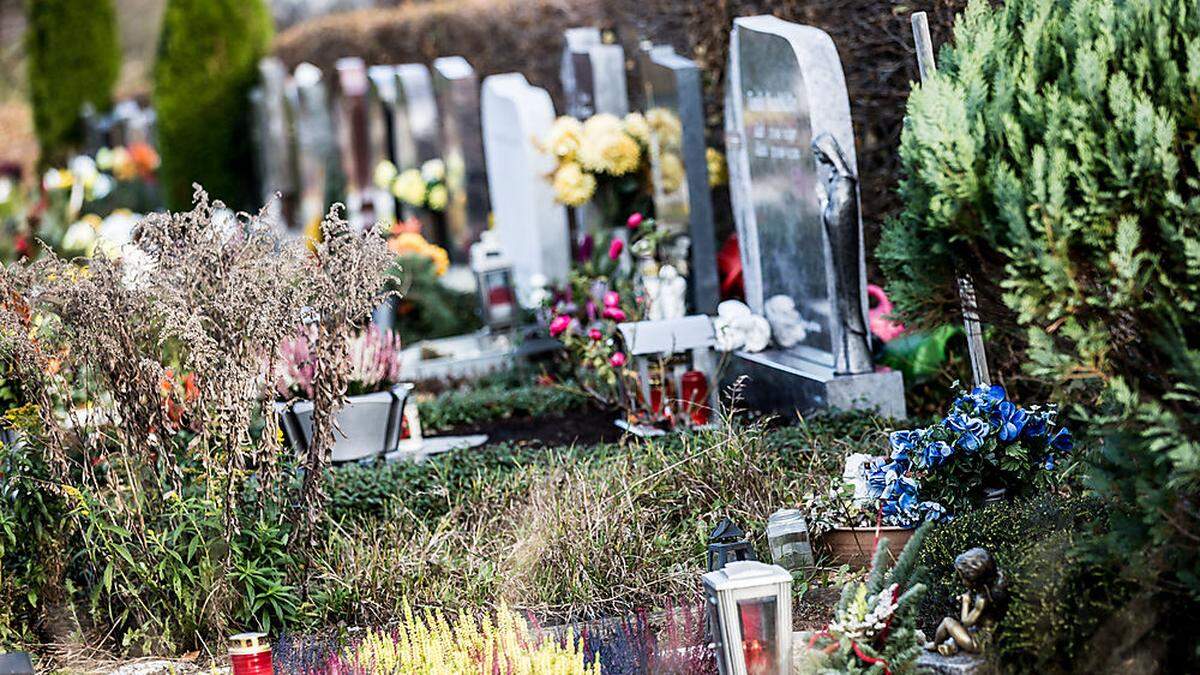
(1056, 158)
(74, 59)
(207, 62)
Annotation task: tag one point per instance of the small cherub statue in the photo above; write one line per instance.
(984, 600)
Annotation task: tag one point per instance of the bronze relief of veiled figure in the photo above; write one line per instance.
(984, 601)
(839, 215)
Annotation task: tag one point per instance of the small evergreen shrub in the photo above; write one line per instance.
(74, 59)
(1056, 156)
(207, 62)
(1061, 588)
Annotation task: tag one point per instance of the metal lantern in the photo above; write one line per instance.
(250, 654)
(750, 618)
(726, 544)
(494, 279)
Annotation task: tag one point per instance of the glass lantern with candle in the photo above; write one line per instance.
(750, 618)
(494, 278)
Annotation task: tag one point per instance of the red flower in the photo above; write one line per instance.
(612, 299)
(634, 221)
(615, 248)
(559, 325)
(614, 313)
(595, 334)
(617, 359)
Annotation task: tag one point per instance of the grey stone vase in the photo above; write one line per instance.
(369, 425)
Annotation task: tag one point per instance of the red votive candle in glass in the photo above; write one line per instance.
(695, 396)
(250, 654)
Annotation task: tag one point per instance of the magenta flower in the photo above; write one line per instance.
(612, 299)
(617, 360)
(615, 248)
(595, 334)
(614, 313)
(634, 221)
(559, 325)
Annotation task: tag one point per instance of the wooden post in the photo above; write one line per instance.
(966, 288)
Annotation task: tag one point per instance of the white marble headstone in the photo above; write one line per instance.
(531, 226)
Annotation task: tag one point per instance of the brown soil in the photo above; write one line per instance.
(586, 426)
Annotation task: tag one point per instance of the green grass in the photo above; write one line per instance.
(565, 532)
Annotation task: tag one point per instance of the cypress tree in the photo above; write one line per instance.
(74, 59)
(207, 63)
(1056, 157)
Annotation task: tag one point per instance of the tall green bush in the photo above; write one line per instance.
(207, 63)
(1056, 157)
(74, 59)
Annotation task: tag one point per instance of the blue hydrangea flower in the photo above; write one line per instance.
(1061, 441)
(934, 453)
(1009, 420)
(1035, 427)
(903, 443)
(971, 431)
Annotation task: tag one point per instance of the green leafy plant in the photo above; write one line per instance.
(74, 60)
(1056, 156)
(874, 626)
(207, 62)
(479, 405)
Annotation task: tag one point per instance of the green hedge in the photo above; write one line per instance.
(74, 58)
(207, 62)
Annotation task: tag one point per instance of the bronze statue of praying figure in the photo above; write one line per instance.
(839, 215)
(984, 601)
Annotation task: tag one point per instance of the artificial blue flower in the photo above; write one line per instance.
(934, 453)
(971, 430)
(877, 472)
(1049, 463)
(1009, 419)
(992, 394)
(1061, 441)
(903, 443)
(1035, 427)
(934, 512)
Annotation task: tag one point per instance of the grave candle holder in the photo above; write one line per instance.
(250, 654)
(750, 618)
(494, 279)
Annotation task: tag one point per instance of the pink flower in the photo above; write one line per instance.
(617, 360)
(595, 334)
(614, 313)
(615, 248)
(559, 325)
(634, 221)
(612, 299)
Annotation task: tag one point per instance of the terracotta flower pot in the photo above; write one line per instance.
(369, 425)
(855, 546)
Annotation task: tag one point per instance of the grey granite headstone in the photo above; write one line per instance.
(786, 88)
(467, 204)
(531, 226)
(308, 99)
(593, 74)
(276, 150)
(683, 203)
(416, 138)
(381, 109)
(354, 139)
(934, 663)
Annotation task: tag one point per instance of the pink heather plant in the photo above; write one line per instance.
(374, 359)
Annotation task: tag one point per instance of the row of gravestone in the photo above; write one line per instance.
(790, 149)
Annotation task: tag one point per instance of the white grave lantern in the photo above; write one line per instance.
(750, 618)
(494, 279)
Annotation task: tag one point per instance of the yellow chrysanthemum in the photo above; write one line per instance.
(436, 201)
(602, 124)
(433, 170)
(409, 187)
(385, 173)
(665, 126)
(670, 168)
(611, 152)
(563, 139)
(636, 126)
(718, 172)
(572, 185)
